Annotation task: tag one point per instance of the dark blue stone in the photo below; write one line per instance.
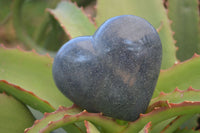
(114, 71)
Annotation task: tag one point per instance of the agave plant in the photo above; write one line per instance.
(31, 102)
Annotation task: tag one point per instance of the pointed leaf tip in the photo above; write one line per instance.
(90, 128)
(73, 20)
(147, 127)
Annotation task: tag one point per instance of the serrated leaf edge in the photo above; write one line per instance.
(80, 8)
(46, 114)
(84, 115)
(178, 63)
(155, 102)
(96, 118)
(136, 126)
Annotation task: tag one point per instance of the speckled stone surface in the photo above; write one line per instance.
(114, 71)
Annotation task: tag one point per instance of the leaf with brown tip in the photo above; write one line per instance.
(90, 127)
(146, 128)
(72, 19)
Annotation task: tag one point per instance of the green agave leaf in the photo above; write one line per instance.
(26, 97)
(49, 117)
(74, 22)
(163, 102)
(90, 127)
(182, 75)
(31, 72)
(185, 17)
(156, 116)
(163, 113)
(153, 11)
(41, 94)
(62, 117)
(14, 116)
(177, 96)
(179, 111)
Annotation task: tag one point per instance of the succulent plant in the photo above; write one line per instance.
(27, 87)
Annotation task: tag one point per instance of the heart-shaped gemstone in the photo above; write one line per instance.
(114, 71)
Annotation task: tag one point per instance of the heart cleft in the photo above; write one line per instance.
(114, 71)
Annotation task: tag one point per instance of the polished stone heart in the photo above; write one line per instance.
(114, 71)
